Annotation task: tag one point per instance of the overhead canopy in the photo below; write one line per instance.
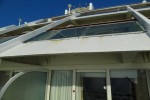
(107, 43)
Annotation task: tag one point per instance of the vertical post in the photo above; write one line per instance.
(74, 85)
(108, 83)
(48, 86)
(11, 74)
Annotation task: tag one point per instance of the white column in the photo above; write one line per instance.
(74, 85)
(48, 86)
(108, 86)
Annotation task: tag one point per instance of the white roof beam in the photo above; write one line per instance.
(19, 40)
(109, 13)
(141, 18)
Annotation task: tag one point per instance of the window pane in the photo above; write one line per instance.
(61, 85)
(30, 86)
(88, 31)
(4, 77)
(91, 86)
(129, 85)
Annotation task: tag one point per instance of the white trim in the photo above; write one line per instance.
(91, 71)
(108, 85)
(101, 67)
(82, 67)
(74, 85)
(48, 86)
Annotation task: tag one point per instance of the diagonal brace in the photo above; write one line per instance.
(144, 21)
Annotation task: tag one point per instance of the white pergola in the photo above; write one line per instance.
(104, 43)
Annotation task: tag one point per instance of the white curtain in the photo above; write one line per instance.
(79, 86)
(61, 85)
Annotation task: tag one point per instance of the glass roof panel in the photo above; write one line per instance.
(89, 31)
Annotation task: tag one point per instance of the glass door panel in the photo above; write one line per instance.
(30, 86)
(91, 86)
(129, 85)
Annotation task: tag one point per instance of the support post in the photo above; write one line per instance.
(74, 85)
(48, 86)
(108, 85)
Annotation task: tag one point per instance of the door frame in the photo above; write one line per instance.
(108, 83)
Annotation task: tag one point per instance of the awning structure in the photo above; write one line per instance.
(134, 41)
(108, 43)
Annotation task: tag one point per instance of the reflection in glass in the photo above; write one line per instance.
(129, 85)
(30, 86)
(88, 31)
(90, 86)
(4, 77)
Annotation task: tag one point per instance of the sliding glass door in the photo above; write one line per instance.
(91, 86)
(79, 85)
(124, 85)
(129, 85)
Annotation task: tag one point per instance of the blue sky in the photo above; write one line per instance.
(30, 10)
